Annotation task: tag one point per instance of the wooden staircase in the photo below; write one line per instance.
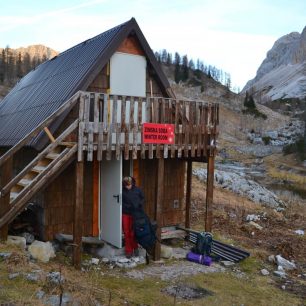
(41, 170)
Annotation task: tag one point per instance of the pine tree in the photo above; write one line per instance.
(2, 67)
(191, 64)
(177, 68)
(164, 55)
(185, 70)
(157, 56)
(169, 59)
(19, 67)
(27, 67)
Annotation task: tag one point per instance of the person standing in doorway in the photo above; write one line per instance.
(132, 199)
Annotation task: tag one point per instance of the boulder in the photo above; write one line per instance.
(17, 241)
(5, 255)
(95, 261)
(280, 274)
(256, 225)
(286, 264)
(55, 278)
(28, 237)
(300, 232)
(252, 218)
(166, 252)
(271, 134)
(272, 259)
(42, 251)
(32, 277)
(264, 272)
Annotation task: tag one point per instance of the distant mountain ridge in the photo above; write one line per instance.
(283, 72)
(38, 51)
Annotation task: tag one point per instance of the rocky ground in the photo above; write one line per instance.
(262, 279)
(246, 213)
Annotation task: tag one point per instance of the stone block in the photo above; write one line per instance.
(17, 241)
(42, 251)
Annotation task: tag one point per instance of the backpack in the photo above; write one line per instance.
(203, 244)
(145, 231)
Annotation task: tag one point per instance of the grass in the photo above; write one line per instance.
(286, 175)
(113, 287)
(230, 289)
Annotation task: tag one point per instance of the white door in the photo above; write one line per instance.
(111, 201)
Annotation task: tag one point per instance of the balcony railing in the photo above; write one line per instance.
(111, 124)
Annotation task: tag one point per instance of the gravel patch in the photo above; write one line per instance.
(176, 270)
(187, 292)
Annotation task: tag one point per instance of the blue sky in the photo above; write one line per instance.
(233, 35)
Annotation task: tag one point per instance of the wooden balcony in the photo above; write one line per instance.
(111, 124)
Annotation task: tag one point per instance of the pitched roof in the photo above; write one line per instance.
(47, 87)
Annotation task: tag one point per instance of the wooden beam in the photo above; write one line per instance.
(188, 193)
(7, 171)
(49, 134)
(159, 204)
(209, 193)
(95, 206)
(78, 214)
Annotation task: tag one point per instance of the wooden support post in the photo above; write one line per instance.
(209, 193)
(7, 172)
(78, 214)
(188, 193)
(47, 131)
(159, 205)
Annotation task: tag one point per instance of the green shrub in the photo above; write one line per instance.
(250, 107)
(266, 139)
(297, 147)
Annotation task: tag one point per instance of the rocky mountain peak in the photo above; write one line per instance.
(300, 52)
(282, 74)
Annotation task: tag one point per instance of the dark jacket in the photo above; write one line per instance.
(132, 199)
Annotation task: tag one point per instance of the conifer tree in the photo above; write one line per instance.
(169, 59)
(19, 67)
(3, 66)
(177, 68)
(191, 64)
(185, 70)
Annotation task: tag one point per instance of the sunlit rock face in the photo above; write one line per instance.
(283, 72)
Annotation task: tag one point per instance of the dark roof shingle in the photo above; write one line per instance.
(43, 90)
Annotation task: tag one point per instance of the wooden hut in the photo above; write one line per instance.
(72, 127)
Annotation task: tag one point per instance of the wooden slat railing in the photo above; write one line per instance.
(111, 124)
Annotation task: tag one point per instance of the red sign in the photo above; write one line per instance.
(158, 133)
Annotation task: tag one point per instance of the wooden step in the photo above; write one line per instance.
(67, 144)
(13, 196)
(24, 182)
(52, 155)
(38, 169)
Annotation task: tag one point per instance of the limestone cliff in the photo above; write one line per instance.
(283, 73)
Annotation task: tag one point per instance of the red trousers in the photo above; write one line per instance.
(129, 237)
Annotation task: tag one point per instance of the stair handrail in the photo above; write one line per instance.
(69, 103)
